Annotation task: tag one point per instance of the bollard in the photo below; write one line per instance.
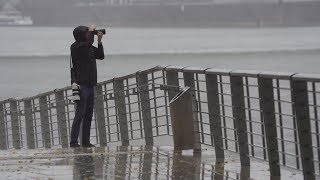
(3, 138)
(142, 81)
(121, 111)
(29, 124)
(99, 109)
(182, 121)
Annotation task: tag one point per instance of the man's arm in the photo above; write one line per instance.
(74, 68)
(99, 53)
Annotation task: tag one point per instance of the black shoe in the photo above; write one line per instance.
(73, 145)
(88, 145)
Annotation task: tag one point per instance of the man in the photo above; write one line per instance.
(84, 75)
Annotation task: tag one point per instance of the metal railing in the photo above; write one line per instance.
(270, 116)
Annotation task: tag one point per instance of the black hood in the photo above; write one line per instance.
(80, 33)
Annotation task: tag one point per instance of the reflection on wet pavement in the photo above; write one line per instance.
(126, 163)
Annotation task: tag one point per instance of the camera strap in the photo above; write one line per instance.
(71, 70)
(71, 64)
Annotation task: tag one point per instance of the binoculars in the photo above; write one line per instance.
(100, 30)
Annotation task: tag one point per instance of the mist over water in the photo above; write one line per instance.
(55, 41)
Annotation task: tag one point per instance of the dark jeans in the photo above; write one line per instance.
(84, 112)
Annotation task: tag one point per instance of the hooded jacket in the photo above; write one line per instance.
(84, 56)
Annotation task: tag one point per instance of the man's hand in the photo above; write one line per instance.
(100, 34)
(92, 27)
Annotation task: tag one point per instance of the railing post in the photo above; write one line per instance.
(45, 128)
(29, 124)
(301, 104)
(143, 89)
(239, 115)
(269, 120)
(121, 110)
(189, 81)
(15, 124)
(214, 114)
(172, 80)
(99, 109)
(3, 138)
(61, 117)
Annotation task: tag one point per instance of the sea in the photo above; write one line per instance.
(36, 59)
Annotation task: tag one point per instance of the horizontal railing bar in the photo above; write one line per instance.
(285, 140)
(112, 124)
(282, 88)
(111, 133)
(286, 153)
(284, 127)
(282, 114)
(143, 128)
(256, 134)
(313, 105)
(316, 92)
(255, 145)
(283, 101)
(318, 134)
(221, 137)
(314, 147)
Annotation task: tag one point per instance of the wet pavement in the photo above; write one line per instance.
(129, 163)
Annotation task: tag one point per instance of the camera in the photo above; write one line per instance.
(75, 92)
(100, 30)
